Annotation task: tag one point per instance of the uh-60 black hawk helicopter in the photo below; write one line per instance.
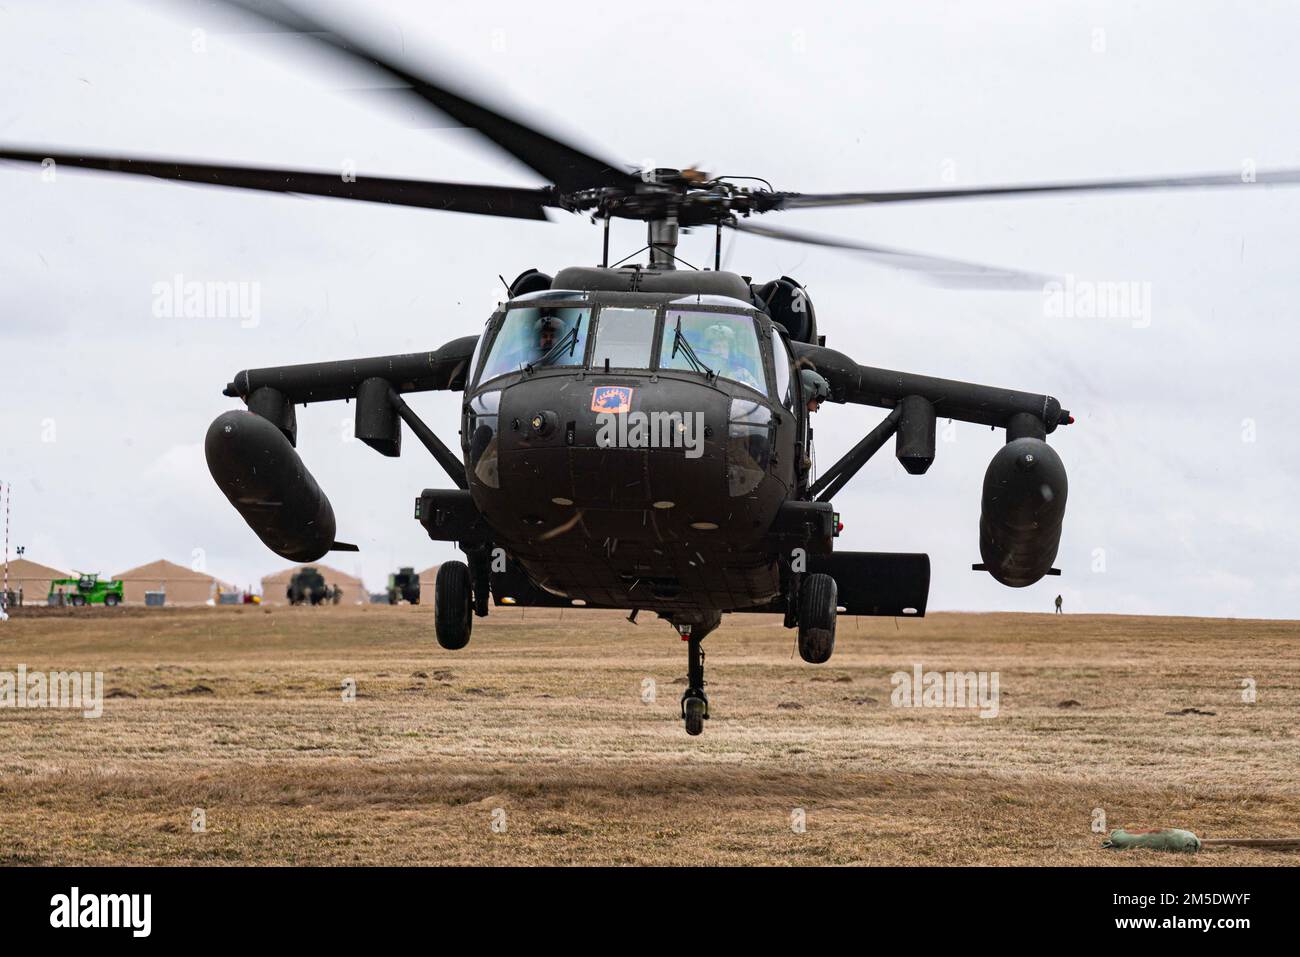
(635, 436)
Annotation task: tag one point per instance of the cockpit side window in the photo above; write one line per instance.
(540, 337)
(478, 353)
(781, 365)
(718, 342)
(624, 338)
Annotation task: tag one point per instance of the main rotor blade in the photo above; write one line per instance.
(953, 273)
(765, 202)
(457, 197)
(561, 163)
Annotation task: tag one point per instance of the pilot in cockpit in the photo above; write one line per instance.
(721, 356)
(548, 330)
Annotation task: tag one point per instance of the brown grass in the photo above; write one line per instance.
(239, 712)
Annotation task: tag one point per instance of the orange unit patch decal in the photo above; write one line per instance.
(612, 399)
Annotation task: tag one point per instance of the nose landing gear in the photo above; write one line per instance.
(695, 705)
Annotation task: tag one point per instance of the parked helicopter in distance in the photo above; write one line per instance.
(635, 435)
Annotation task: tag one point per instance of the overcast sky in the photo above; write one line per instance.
(1183, 468)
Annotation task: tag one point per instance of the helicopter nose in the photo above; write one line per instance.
(627, 453)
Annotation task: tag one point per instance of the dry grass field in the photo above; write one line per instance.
(239, 712)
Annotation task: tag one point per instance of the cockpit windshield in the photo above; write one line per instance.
(624, 338)
(714, 342)
(538, 337)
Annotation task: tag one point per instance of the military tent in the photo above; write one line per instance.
(183, 586)
(33, 578)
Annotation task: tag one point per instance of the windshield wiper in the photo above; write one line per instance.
(569, 340)
(680, 342)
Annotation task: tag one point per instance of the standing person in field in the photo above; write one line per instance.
(1058, 605)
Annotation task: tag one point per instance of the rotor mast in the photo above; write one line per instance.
(661, 232)
(662, 238)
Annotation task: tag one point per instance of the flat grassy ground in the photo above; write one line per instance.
(541, 724)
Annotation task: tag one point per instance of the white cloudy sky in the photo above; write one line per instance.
(1173, 509)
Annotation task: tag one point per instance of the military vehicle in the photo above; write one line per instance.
(404, 585)
(307, 587)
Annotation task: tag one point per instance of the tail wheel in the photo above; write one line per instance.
(817, 601)
(453, 605)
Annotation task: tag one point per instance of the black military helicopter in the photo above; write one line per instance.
(635, 436)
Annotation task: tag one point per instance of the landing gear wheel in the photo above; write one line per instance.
(452, 605)
(817, 600)
(694, 710)
(695, 703)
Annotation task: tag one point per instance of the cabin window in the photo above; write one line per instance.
(624, 338)
(540, 337)
(713, 342)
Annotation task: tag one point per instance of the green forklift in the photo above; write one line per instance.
(85, 589)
